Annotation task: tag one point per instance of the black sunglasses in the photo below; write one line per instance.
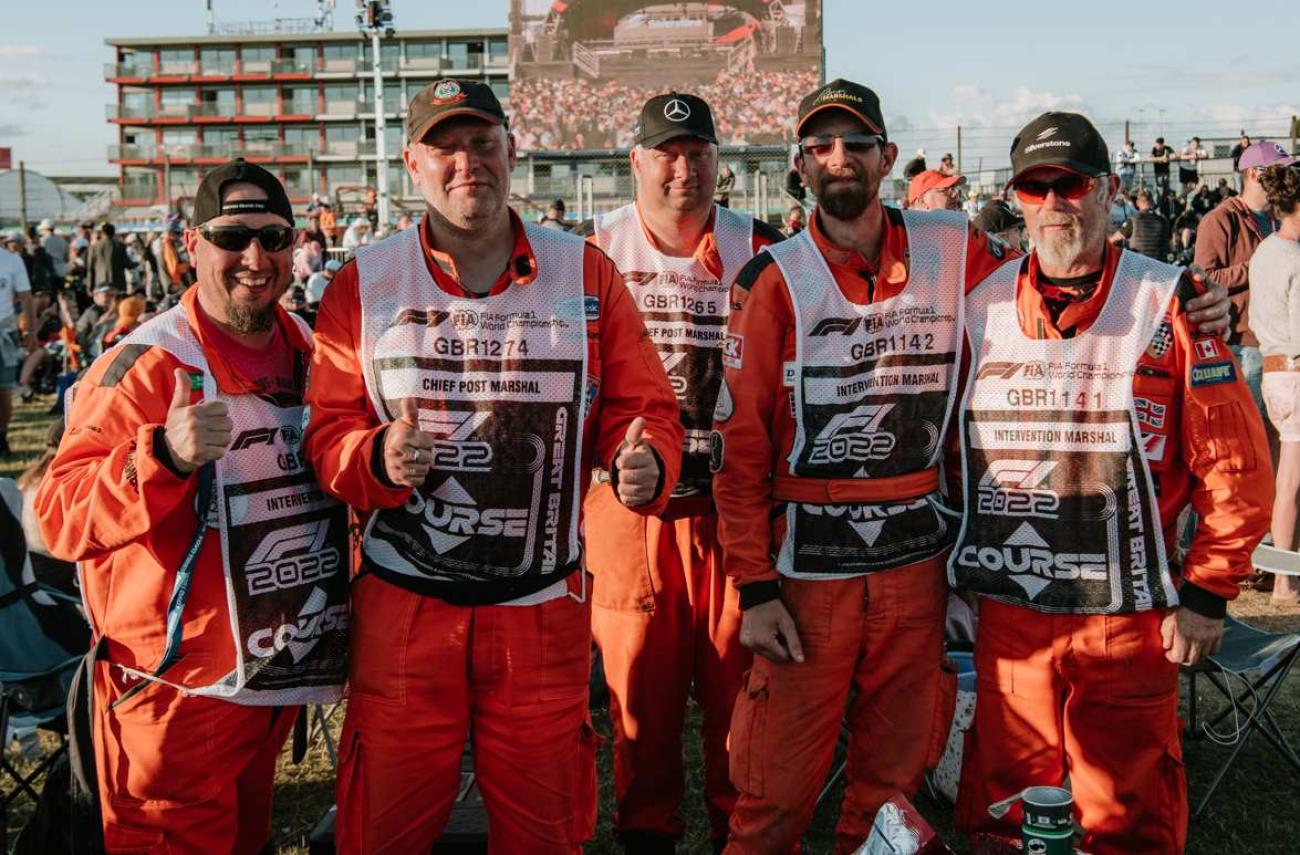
(237, 238)
(822, 144)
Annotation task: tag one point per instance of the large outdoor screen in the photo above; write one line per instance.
(581, 69)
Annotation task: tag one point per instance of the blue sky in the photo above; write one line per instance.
(1177, 69)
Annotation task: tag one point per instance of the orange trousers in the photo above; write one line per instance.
(1088, 695)
(425, 675)
(874, 643)
(667, 621)
(184, 774)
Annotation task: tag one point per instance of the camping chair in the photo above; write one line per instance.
(42, 638)
(1261, 661)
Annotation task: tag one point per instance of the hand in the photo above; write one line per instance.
(1208, 313)
(768, 630)
(408, 451)
(638, 468)
(195, 433)
(1188, 637)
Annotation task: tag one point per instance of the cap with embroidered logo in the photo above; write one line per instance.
(674, 114)
(841, 94)
(1065, 140)
(443, 99)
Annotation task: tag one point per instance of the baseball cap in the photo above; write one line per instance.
(674, 114)
(931, 179)
(841, 94)
(104, 286)
(46, 225)
(208, 204)
(997, 216)
(1264, 153)
(448, 97)
(1065, 140)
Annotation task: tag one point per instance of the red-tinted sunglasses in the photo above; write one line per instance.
(1069, 185)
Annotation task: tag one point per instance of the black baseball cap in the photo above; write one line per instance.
(841, 94)
(208, 203)
(674, 114)
(1065, 140)
(997, 216)
(448, 97)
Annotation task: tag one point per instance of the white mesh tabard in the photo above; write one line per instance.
(1061, 509)
(684, 308)
(499, 382)
(872, 396)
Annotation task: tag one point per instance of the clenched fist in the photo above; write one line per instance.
(637, 466)
(195, 433)
(408, 451)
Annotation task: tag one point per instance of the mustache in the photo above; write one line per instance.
(1057, 219)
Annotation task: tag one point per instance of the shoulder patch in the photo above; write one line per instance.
(767, 231)
(127, 355)
(1213, 373)
(749, 274)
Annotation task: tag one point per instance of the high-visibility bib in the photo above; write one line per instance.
(284, 543)
(872, 396)
(1061, 512)
(684, 308)
(499, 381)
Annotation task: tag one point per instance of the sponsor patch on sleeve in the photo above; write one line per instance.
(789, 371)
(591, 307)
(589, 394)
(724, 406)
(715, 452)
(1162, 340)
(1150, 414)
(1213, 373)
(1153, 447)
(733, 350)
(1208, 348)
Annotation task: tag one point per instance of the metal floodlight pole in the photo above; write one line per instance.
(376, 18)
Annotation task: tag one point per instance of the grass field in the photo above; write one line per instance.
(1252, 811)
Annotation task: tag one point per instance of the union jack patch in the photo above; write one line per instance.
(1162, 340)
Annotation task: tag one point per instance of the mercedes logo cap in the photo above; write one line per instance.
(1065, 140)
(841, 94)
(674, 114)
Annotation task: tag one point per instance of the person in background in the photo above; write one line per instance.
(1188, 167)
(308, 258)
(313, 232)
(726, 184)
(108, 261)
(404, 222)
(294, 300)
(795, 221)
(934, 190)
(1235, 154)
(1274, 275)
(946, 164)
(129, 311)
(329, 223)
(15, 290)
(319, 281)
(96, 322)
(554, 218)
(1161, 155)
(176, 258)
(915, 166)
(1226, 239)
(1126, 164)
(57, 246)
(1147, 231)
(357, 235)
(972, 204)
(999, 220)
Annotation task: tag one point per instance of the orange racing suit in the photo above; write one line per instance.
(425, 672)
(878, 634)
(1094, 693)
(664, 615)
(176, 772)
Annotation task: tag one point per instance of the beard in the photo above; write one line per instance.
(245, 319)
(844, 200)
(1064, 247)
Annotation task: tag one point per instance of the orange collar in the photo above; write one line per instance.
(226, 378)
(706, 251)
(521, 270)
(892, 264)
(1076, 316)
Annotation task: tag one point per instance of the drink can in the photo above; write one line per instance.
(1048, 825)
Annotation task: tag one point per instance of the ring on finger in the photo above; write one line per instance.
(415, 455)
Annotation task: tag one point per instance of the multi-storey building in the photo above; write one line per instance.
(301, 104)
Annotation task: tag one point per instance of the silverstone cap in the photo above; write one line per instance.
(1264, 153)
(1065, 140)
(997, 216)
(450, 97)
(931, 179)
(208, 203)
(841, 94)
(675, 114)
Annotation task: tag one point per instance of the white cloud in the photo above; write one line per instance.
(974, 106)
(12, 52)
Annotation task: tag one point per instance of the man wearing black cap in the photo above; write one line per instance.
(997, 219)
(844, 352)
(468, 374)
(1091, 396)
(665, 617)
(214, 570)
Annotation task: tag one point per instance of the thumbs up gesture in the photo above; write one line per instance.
(195, 433)
(637, 467)
(408, 451)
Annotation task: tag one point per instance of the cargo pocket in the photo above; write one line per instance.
(122, 838)
(616, 554)
(748, 729)
(945, 704)
(565, 641)
(584, 785)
